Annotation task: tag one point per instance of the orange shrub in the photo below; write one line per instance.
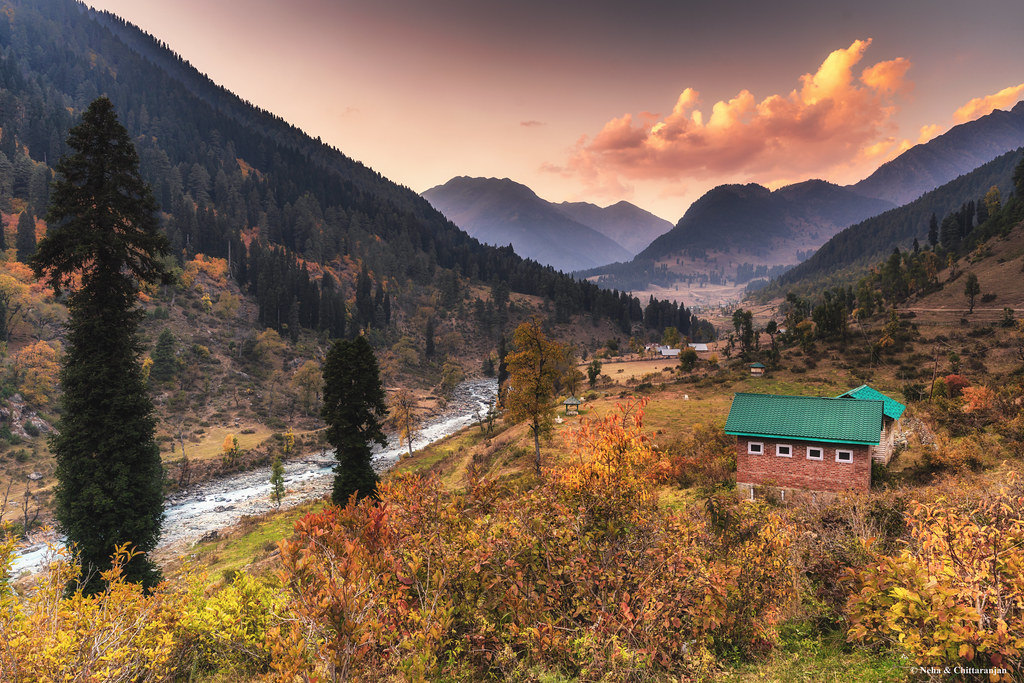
(214, 268)
(583, 576)
(33, 371)
(705, 457)
(979, 399)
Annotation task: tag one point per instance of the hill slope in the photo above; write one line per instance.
(843, 258)
(735, 233)
(958, 151)
(500, 212)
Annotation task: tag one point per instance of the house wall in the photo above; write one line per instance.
(797, 472)
(883, 451)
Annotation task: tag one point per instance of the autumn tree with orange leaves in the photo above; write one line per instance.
(534, 368)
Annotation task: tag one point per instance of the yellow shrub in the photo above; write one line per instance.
(124, 634)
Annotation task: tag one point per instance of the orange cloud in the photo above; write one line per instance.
(980, 106)
(930, 131)
(974, 109)
(887, 76)
(834, 117)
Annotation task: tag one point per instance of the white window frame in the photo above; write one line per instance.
(750, 448)
(844, 450)
(821, 453)
(783, 445)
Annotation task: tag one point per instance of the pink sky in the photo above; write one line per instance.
(653, 101)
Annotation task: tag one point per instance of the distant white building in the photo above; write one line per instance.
(668, 352)
(698, 347)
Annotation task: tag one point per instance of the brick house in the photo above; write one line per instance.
(798, 445)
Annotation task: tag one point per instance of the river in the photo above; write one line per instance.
(201, 510)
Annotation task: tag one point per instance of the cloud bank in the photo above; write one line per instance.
(835, 116)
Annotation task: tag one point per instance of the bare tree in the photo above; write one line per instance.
(7, 495)
(403, 415)
(26, 506)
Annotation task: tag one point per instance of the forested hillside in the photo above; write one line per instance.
(847, 256)
(279, 244)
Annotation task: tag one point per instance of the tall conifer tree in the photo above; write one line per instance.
(25, 240)
(102, 241)
(165, 362)
(354, 410)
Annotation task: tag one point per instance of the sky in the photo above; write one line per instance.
(652, 101)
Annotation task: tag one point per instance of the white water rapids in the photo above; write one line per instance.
(197, 511)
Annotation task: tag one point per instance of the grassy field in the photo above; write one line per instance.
(210, 444)
(805, 657)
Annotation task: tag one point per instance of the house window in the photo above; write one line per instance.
(815, 453)
(844, 456)
(755, 448)
(783, 450)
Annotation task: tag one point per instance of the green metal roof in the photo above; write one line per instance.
(757, 365)
(807, 418)
(892, 408)
(572, 400)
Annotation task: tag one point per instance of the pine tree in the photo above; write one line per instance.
(949, 232)
(1018, 179)
(364, 298)
(428, 336)
(25, 240)
(354, 410)
(277, 481)
(165, 363)
(933, 231)
(103, 237)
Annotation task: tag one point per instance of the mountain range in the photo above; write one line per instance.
(854, 250)
(735, 227)
(567, 236)
(959, 150)
(773, 225)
